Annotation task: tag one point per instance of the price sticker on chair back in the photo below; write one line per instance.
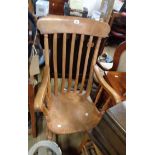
(34, 64)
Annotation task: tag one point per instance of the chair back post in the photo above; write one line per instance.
(46, 56)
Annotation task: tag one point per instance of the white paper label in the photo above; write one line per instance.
(76, 21)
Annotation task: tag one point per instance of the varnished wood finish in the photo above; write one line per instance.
(98, 94)
(56, 7)
(91, 68)
(117, 80)
(46, 52)
(106, 105)
(86, 62)
(55, 64)
(46, 55)
(39, 98)
(63, 62)
(71, 111)
(78, 63)
(118, 52)
(71, 62)
(69, 24)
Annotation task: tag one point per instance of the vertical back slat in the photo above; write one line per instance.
(46, 55)
(98, 95)
(90, 80)
(71, 61)
(79, 61)
(55, 63)
(46, 52)
(63, 62)
(86, 62)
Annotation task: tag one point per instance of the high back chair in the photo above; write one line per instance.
(71, 110)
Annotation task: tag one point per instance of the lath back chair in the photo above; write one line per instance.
(71, 110)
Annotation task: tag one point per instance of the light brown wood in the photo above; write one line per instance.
(71, 62)
(63, 62)
(49, 85)
(47, 97)
(78, 63)
(90, 80)
(39, 98)
(71, 113)
(46, 52)
(98, 94)
(46, 55)
(86, 62)
(44, 110)
(69, 24)
(85, 150)
(55, 64)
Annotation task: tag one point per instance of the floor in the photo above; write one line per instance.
(69, 144)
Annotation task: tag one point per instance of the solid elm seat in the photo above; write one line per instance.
(71, 113)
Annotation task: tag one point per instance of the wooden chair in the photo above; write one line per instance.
(69, 111)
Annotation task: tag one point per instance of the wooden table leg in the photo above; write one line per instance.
(31, 108)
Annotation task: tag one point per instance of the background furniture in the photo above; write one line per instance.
(71, 110)
(118, 27)
(118, 82)
(110, 134)
(115, 77)
(56, 7)
(119, 59)
(31, 96)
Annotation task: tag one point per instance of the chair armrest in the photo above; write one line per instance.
(39, 98)
(106, 86)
